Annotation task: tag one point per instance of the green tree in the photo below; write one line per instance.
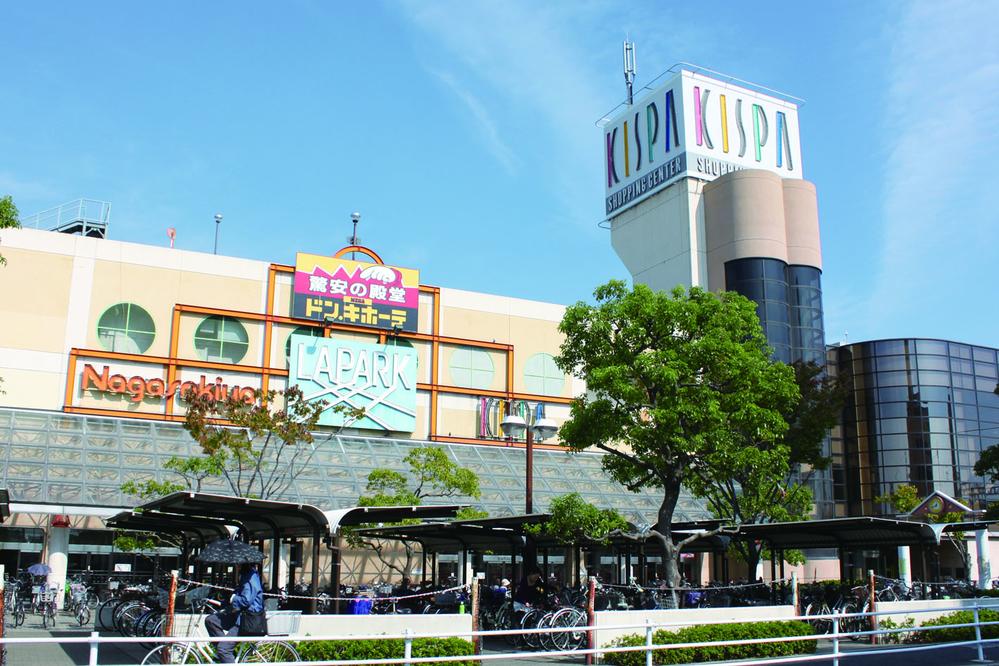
(9, 218)
(255, 449)
(573, 520)
(766, 481)
(672, 379)
(432, 475)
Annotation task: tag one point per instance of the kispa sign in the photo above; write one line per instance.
(341, 291)
(381, 379)
(700, 127)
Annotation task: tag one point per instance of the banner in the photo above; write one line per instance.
(358, 293)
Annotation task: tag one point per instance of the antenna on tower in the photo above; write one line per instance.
(629, 68)
(353, 239)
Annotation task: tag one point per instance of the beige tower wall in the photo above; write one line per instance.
(660, 240)
(754, 213)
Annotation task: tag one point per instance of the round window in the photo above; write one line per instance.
(471, 368)
(542, 376)
(221, 339)
(301, 330)
(126, 327)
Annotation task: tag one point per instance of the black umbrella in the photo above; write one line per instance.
(225, 551)
(39, 569)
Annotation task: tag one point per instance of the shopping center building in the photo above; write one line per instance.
(103, 339)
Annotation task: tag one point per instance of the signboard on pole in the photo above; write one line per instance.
(358, 293)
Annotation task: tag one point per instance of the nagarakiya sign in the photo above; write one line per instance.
(381, 379)
(696, 126)
(341, 291)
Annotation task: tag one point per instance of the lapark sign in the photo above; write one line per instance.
(381, 379)
(700, 127)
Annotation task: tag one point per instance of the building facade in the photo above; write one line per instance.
(919, 411)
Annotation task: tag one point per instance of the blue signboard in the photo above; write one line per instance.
(381, 379)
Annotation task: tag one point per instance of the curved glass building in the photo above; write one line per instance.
(919, 411)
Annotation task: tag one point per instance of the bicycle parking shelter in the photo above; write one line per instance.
(200, 518)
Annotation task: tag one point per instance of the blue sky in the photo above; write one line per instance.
(464, 134)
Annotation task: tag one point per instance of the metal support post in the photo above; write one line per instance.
(648, 642)
(170, 610)
(93, 648)
(978, 639)
(871, 601)
(591, 636)
(795, 601)
(476, 639)
(835, 638)
(408, 646)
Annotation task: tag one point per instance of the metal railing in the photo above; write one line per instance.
(95, 640)
(87, 214)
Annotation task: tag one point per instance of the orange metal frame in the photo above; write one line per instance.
(173, 362)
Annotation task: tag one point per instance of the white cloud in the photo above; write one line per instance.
(940, 127)
(487, 126)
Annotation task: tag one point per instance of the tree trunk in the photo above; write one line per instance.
(671, 555)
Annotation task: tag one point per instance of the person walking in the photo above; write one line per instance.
(247, 598)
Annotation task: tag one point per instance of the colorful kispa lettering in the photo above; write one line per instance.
(140, 388)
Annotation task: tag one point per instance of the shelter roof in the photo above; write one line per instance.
(198, 531)
(263, 519)
(857, 532)
(493, 534)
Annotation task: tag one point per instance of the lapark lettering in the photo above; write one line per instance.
(140, 388)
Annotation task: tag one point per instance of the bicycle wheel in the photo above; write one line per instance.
(83, 615)
(530, 621)
(105, 614)
(45, 618)
(175, 653)
(18, 616)
(545, 641)
(266, 652)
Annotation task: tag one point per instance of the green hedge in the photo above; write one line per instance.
(716, 632)
(958, 633)
(385, 648)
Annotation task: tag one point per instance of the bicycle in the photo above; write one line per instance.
(263, 651)
(47, 608)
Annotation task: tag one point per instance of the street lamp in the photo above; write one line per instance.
(514, 426)
(218, 223)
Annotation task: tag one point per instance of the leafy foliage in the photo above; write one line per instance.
(740, 631)
(903, 499)
(9, 218)
(385, 648)
(432, 474)
(574, 519)
(947, 635)
(988, 463)
(674, 381)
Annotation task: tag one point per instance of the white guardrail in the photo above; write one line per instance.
(95, 640)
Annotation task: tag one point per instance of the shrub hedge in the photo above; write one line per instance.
(385, 648)
(957, 633)
(714, 633)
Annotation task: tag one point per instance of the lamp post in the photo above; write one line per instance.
(218, 223)
(514, 426)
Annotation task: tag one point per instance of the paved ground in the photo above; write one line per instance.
(77, 655)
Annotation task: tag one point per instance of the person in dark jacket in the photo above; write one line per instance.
(531, 592)
(248, 596)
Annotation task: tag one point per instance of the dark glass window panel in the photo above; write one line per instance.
(889, 458)
(889, 347)
(807, 317)
(760, 312)
(962, 365)
(886, 363)
(933, 363)
(742, 269)
(775, 269)
(893, 426)
(939, 393)
(986, 384)
(984, 354)
(782, 353)
(937, 409)
(893, 378)
(776, 312)
(805, 276)
(960, 351)
(985, 369)
(890, 410)
(966, 397)
(963, 381)
(895, 442)
(806, 297)
(894, 393)
(988, 399)
(751, 289)
(990, 414)
(779, 335)
(931, 347)
(776, 291)
(815, 339)
(934, 378)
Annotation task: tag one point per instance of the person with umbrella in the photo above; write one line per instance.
(247, 600)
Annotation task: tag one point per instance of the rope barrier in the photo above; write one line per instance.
(695, 589)
(433, 593)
